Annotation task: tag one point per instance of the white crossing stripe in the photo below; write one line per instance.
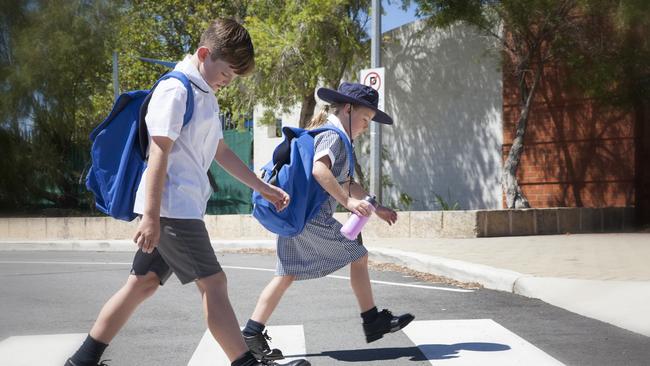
(474, 342)
(290, 339)
(42, 350)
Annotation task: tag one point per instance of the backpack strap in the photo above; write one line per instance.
(143, 135)
(346, 142)
(189, 104)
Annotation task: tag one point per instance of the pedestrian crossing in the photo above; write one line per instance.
(442, 343)
(289, 338)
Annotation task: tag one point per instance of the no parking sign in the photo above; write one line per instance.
(374, 78)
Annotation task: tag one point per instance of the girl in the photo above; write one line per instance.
(321, 249)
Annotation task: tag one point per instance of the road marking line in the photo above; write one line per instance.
(407, 285)
(290, 339)
(450, 289)
(474, 342)
(43, 350)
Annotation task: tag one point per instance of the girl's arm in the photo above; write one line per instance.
(235, 167)
(384, 213)
(326, 179)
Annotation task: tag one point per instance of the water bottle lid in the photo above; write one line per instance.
(372, 200)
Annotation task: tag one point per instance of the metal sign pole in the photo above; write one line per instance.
(375, 128)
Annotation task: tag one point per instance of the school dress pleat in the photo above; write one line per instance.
(321, 248)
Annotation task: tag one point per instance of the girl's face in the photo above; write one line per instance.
(361, 118)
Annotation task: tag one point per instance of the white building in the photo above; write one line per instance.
(444, 91)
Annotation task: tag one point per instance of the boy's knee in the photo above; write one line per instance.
(144, 286)
(217, 281)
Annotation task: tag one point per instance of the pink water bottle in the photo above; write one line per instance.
(355, 223)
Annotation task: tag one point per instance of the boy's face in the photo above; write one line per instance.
(217, 74)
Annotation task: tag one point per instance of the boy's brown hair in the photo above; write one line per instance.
(230, 41)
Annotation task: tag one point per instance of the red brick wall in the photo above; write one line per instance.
(577, 152)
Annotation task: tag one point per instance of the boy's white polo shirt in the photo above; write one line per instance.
(187, 188)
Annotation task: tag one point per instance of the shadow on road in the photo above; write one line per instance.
(424, 352)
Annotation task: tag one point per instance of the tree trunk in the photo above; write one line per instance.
(307, 109)
(514, 196)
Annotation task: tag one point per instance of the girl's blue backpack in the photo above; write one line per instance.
(119, 150)
(291, 170)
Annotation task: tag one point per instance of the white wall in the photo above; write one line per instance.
(445, 95)
(263, 142)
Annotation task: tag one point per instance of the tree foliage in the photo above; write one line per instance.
(54, 61)
(302, 44)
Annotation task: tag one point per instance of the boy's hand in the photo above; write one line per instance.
(279, 198)
(359, 207)
(387, 214)
(148, 234)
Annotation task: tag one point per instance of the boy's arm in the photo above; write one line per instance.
(235, 167)
(147, 235)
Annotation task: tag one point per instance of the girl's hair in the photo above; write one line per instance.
(230, 42)
(320, 118)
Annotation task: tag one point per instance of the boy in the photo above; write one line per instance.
(173, 194)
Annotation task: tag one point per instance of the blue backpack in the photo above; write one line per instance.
(291, 170)
(119, 150)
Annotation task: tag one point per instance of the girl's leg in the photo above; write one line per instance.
(360, 282)
(375, 323)
(268, 301)
(270, 298)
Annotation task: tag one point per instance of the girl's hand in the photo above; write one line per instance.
(147, 235)
(279, 198)
(359, 207)
(386, 214)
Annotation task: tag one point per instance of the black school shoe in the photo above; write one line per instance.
(260, 348)
(386, 322)
(69, 362)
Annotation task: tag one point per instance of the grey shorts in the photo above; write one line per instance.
(184, 249)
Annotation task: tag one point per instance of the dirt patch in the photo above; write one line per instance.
(422, 276)
(260, 251)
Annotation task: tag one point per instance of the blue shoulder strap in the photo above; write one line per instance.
(346, 142)
(143, 136)
(189, 104)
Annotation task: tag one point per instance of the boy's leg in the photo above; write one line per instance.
(148, 272)
(112, 317)
(269, 299)
(375, 323)
(220, 315)
(119, 308)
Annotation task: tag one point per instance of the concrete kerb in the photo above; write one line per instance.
(489, 277)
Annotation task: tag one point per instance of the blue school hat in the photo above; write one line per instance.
(356, 94)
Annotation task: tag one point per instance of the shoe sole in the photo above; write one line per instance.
(377, 336)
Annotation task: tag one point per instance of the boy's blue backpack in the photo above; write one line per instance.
(119, 150)
(291, 170)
